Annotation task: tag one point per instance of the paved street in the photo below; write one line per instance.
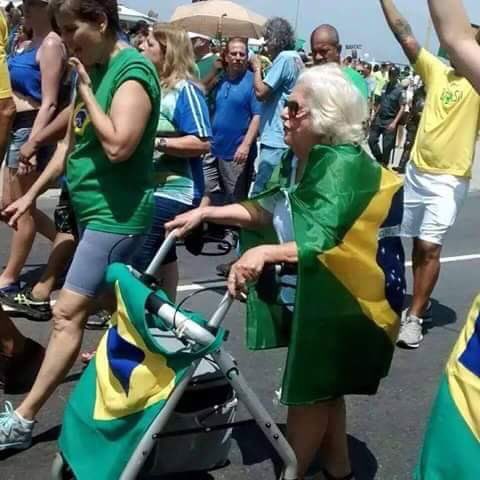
(385, 431)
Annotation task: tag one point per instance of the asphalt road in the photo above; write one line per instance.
(385, 431)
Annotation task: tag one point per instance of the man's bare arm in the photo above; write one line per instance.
(456, 35)
(401, 29)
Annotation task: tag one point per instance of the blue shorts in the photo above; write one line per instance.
(95, 251)
(165, 211)
(269, 159)
(18, 138)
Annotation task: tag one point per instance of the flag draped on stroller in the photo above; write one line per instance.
(125, 386)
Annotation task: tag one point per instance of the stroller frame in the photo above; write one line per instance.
(188, 330)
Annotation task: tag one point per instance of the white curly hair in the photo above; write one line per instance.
(338, 110)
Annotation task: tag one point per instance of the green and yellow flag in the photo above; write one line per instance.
(347, 212)
(451, 449)
(124, 388)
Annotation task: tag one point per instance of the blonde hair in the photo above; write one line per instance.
(338, 110)
(179, 59)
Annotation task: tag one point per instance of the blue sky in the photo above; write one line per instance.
(359, 21)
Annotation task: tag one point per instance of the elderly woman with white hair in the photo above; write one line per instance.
(334, 213)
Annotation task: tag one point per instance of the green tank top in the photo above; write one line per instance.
(107, 197)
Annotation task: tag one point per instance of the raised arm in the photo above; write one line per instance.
(262, 90)
(401, 29)
(456, 35)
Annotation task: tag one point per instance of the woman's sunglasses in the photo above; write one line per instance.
(295, 110)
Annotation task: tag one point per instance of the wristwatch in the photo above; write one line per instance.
(161, 143)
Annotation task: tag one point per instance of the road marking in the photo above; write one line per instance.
(200, 285)
(460, 258)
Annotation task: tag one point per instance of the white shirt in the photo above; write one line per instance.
(279, 206)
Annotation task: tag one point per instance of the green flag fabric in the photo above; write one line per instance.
(347, 212)
(125, 387)
(451, 449)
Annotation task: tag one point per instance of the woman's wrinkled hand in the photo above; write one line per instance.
(245, 271)
(186, 222)
(15, 210)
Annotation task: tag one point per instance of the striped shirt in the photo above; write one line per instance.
(184, 112)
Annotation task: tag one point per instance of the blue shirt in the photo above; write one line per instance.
(183, 111)
(235, 106)
(25, 74)
(281, 78)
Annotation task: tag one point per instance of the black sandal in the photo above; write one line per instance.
(329, 476)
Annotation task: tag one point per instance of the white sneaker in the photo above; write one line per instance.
(15, 432)
(410, 331)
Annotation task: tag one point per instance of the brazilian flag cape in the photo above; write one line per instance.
(125, 387)
(347, 212)
(451, 449)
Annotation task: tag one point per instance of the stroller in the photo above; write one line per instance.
(184, 335)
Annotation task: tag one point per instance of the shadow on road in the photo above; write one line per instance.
(182, 476)
(442, 315)
(256, 449)
(364, 463)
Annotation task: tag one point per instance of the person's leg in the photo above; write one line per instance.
(374, 140)
(20, 358)
(388, 141)
(236, 180)
(63, 247)
(7, 114)
(11, 340)
(229, 172)
(17, 186)
(213, 188)
(69, 317)
(62, 252)
(334, 448)
(21, 244)
(168, 279)
(44, 224)
(76, 301)
(426, 274)
(167, 275)
(306, 427)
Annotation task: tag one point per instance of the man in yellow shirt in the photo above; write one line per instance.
(7, 106)
(381, 79)
(438, 176)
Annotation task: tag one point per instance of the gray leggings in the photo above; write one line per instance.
(95, 251)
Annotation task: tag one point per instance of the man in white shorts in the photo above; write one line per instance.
(437, 179)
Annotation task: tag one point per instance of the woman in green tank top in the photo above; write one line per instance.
(107, 157)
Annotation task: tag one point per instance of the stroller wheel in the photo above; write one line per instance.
(60, 470)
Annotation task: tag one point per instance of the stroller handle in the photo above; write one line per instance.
(157, 261)
(174, 318)
(180, 322)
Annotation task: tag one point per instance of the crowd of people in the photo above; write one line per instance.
(160, 129)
